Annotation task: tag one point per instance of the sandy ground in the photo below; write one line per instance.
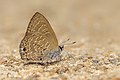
(93, 24)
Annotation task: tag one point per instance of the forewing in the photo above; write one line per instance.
(39, 24)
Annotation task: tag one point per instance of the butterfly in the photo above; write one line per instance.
(40, 43)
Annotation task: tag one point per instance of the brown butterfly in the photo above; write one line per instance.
(40, 43)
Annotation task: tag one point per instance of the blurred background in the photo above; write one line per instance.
(79, 20)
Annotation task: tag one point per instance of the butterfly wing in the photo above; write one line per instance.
(39, 39)
(40, 24)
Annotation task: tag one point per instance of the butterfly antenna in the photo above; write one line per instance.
(69, 43)
(65, 42)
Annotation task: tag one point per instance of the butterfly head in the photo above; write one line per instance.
(61, 47)
(65, 43)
